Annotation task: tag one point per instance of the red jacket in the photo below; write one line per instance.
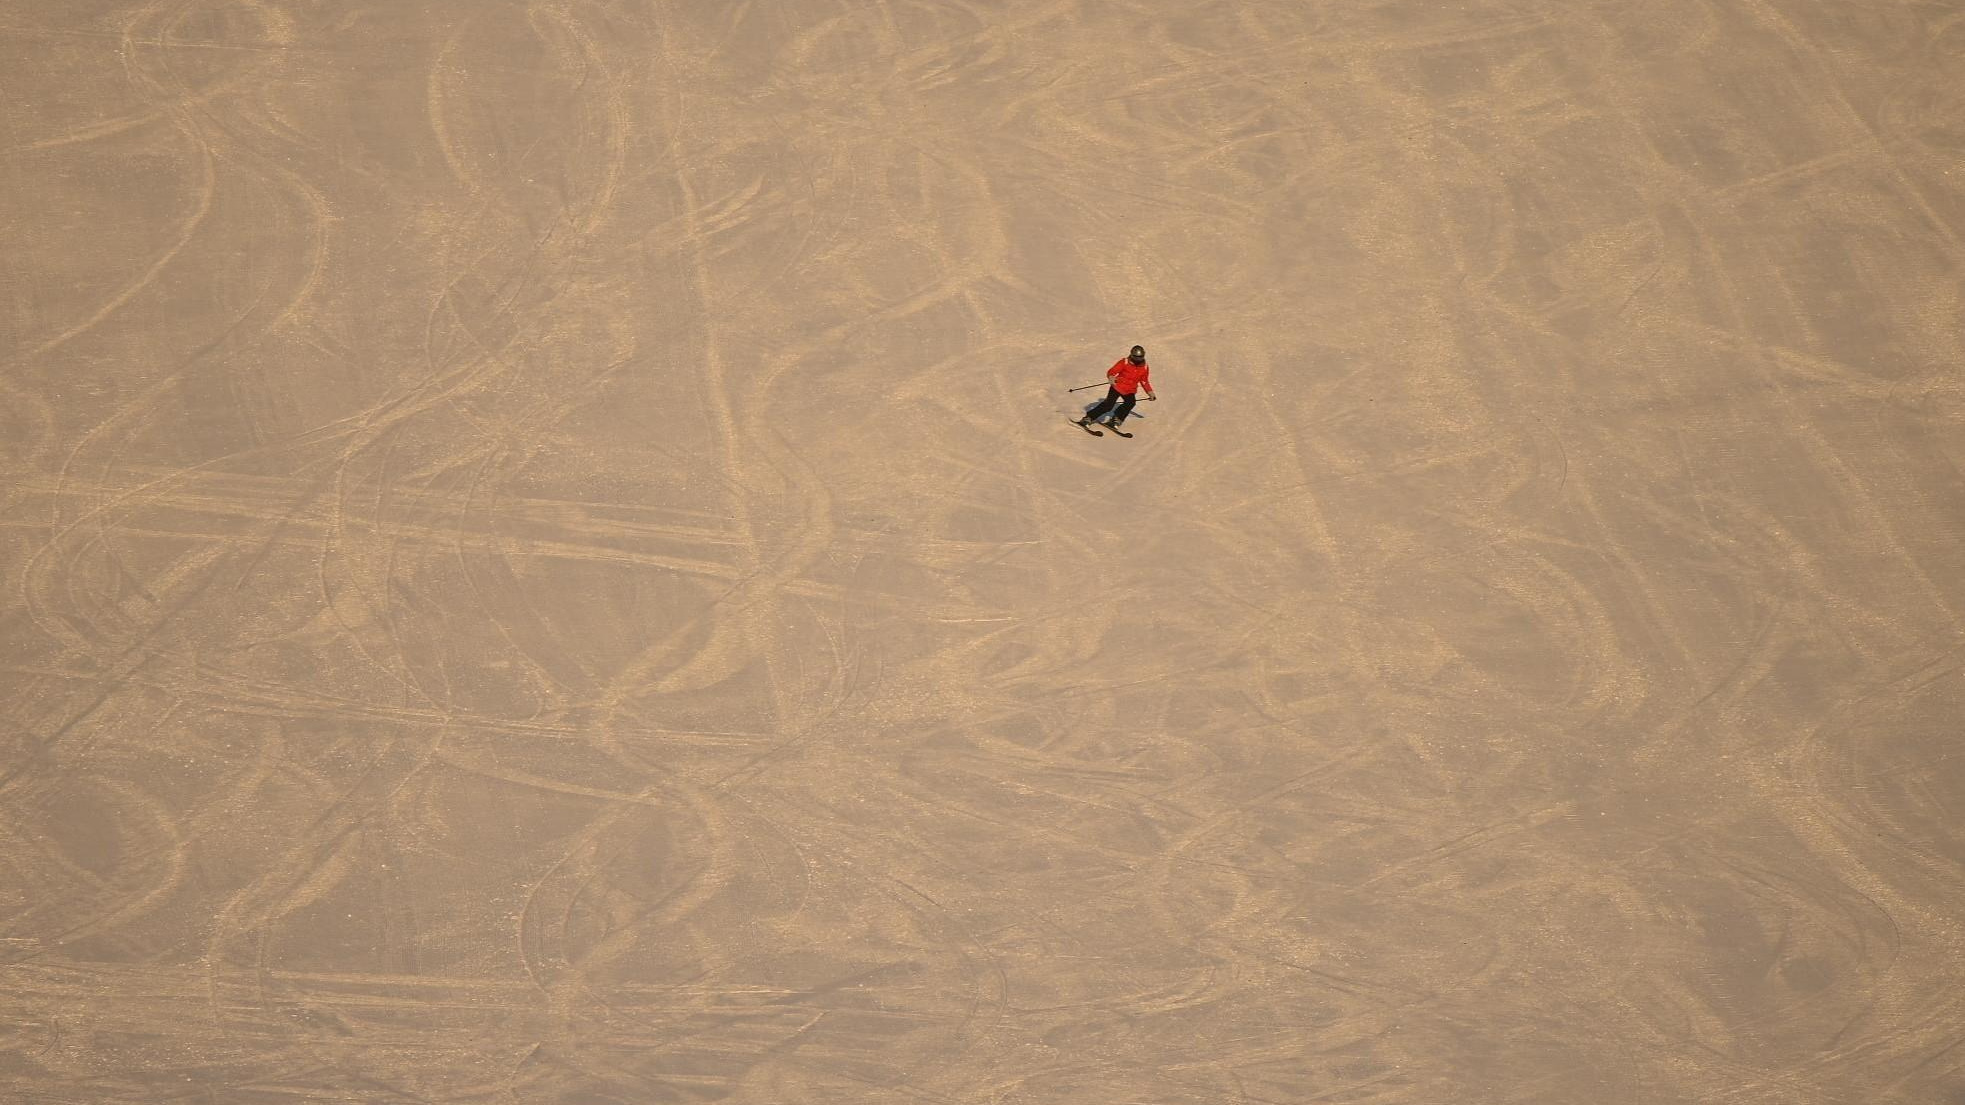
(1128, 377)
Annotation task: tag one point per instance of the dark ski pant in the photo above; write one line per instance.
(1112, 396)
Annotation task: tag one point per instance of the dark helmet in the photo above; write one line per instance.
(1138, 355)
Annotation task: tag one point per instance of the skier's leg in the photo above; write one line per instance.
(1125, 408)
(1105, 404)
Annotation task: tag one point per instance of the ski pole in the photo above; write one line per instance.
(1100, 384)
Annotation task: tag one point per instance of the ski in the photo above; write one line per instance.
(1085, 427)
(1117, 430)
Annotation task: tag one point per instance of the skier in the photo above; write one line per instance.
(1128, 375)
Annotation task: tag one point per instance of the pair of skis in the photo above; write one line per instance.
(1087, 427)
